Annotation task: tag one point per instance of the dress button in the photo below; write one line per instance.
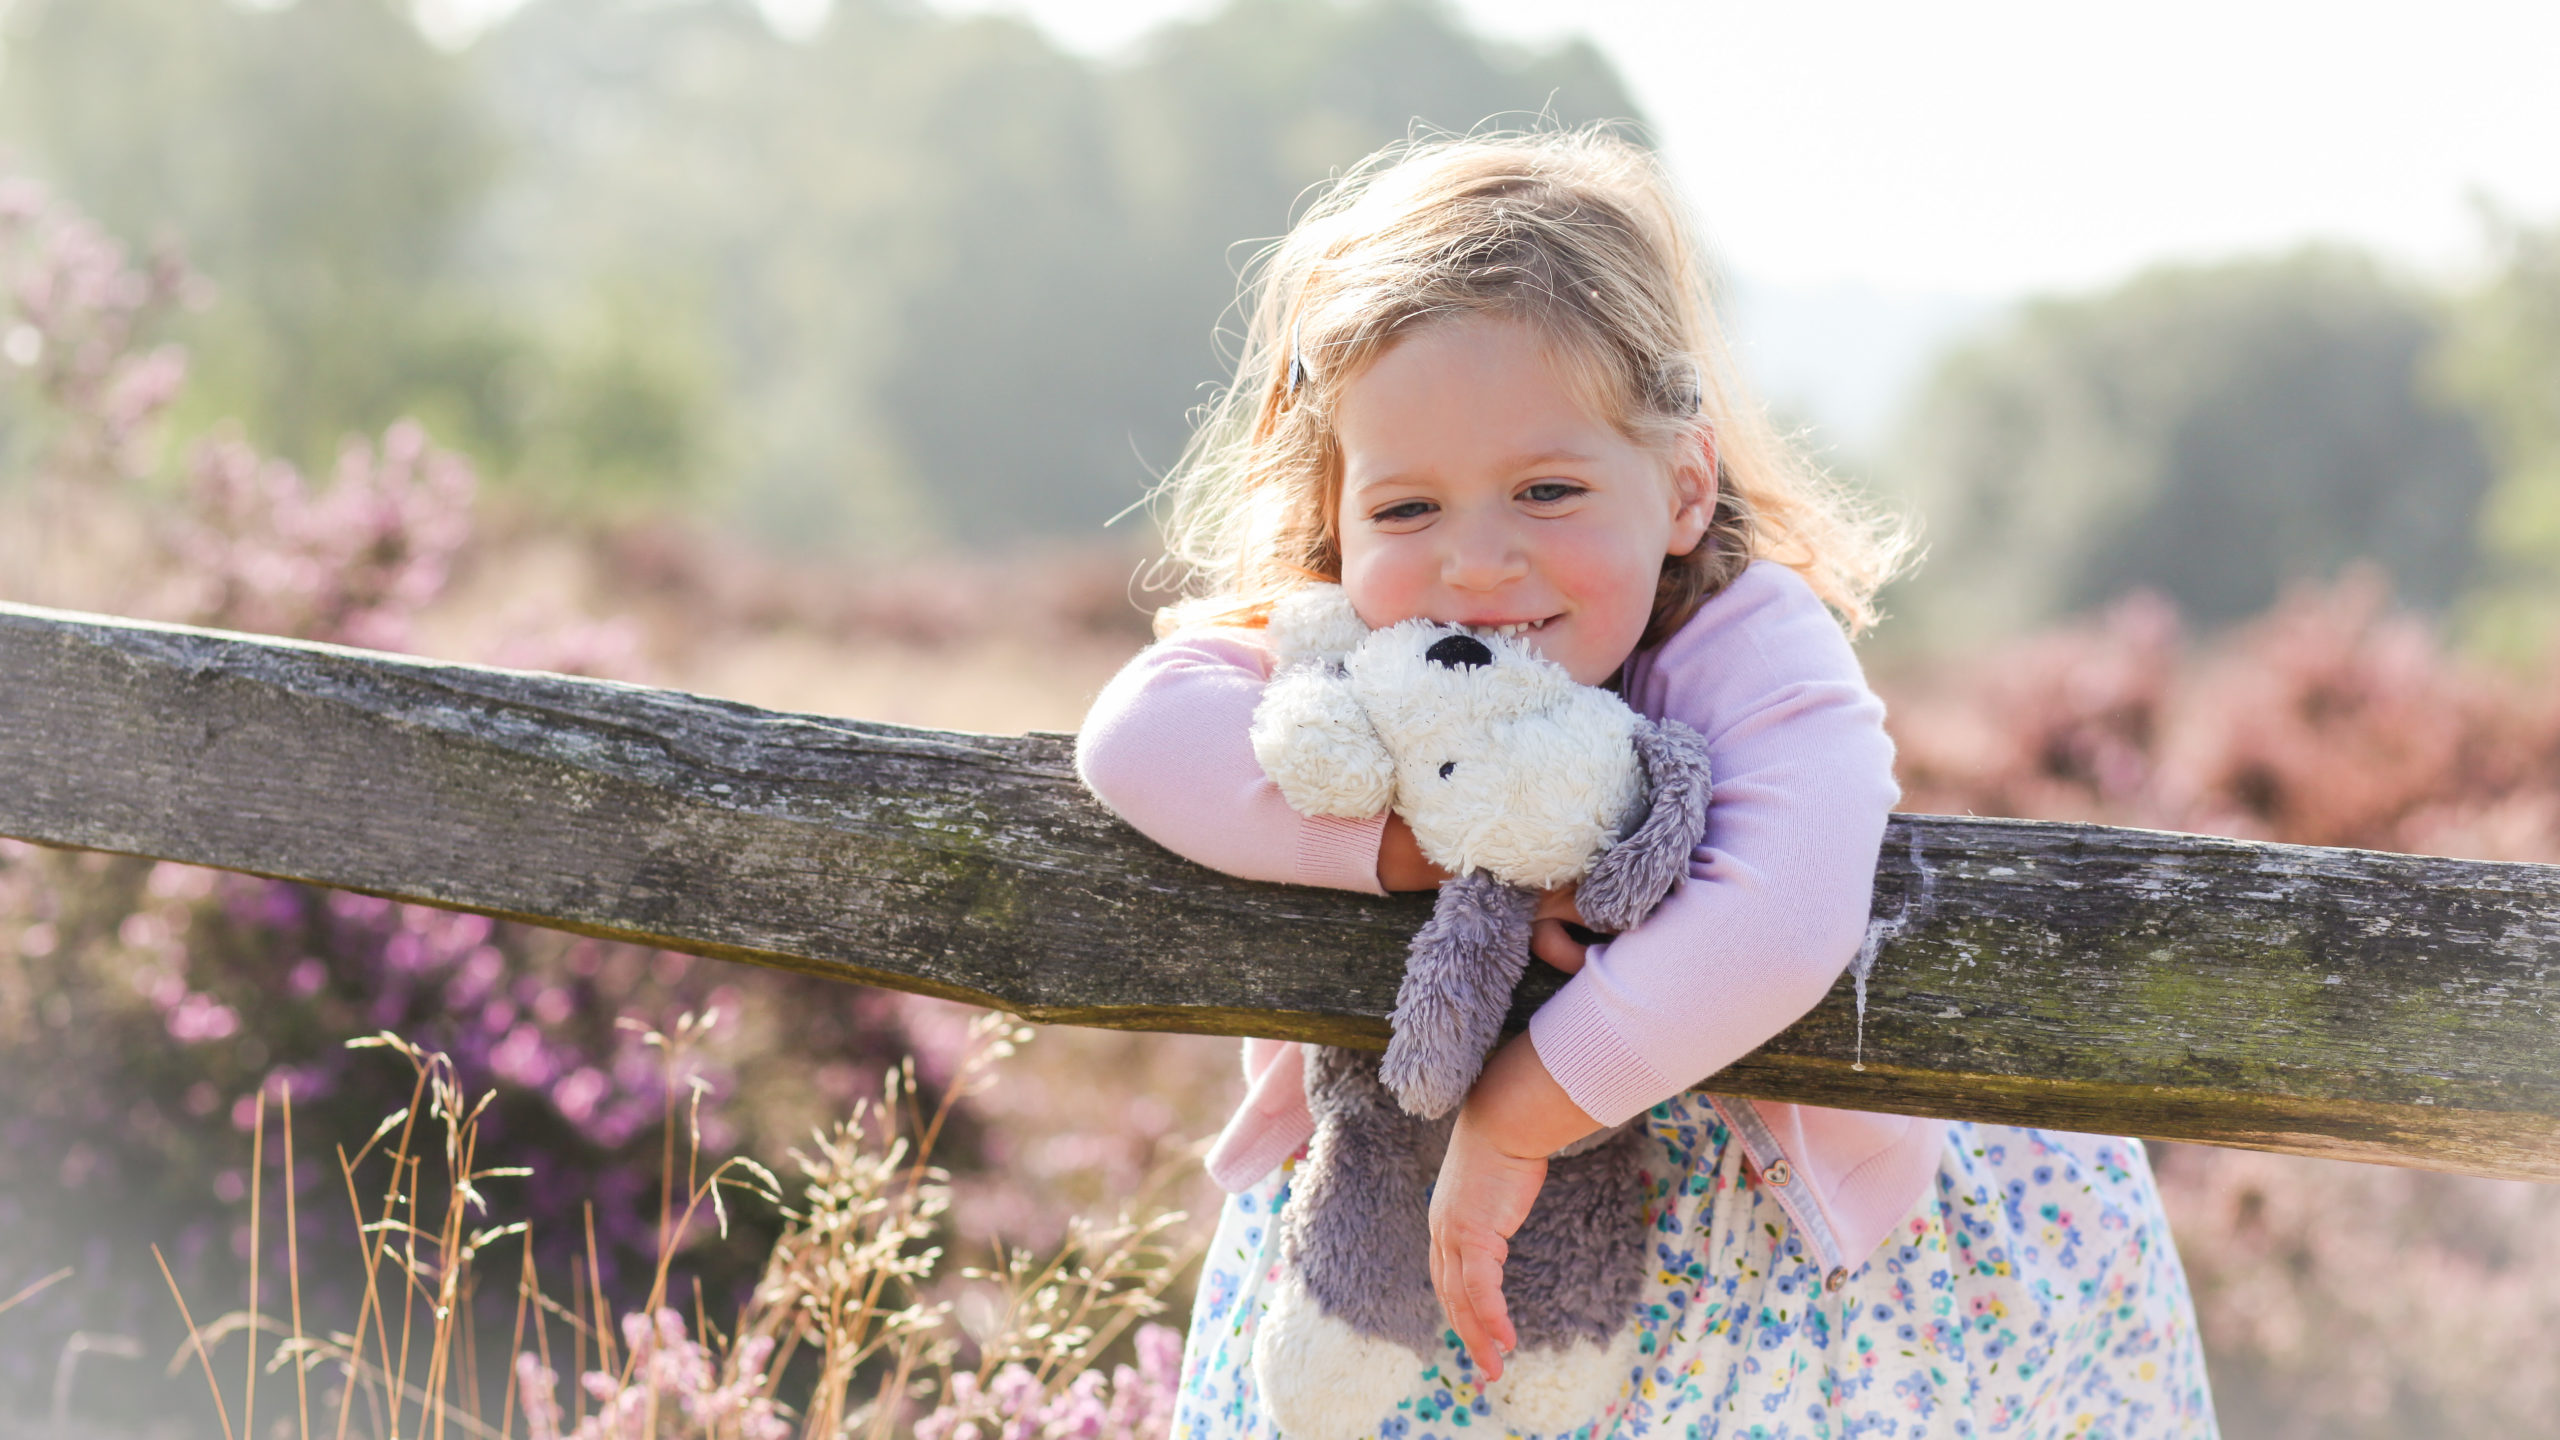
(1780, 1174)
(1838, 1277)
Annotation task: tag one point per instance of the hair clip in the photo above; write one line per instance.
(1297, 361)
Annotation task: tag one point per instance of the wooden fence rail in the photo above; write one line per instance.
(2335, 1002)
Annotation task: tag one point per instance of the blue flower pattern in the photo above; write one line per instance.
(2033, 1293)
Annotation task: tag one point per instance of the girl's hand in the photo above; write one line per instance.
(1400, 862)
(1514, 1119)
(1483, 1195)
(1549, 939)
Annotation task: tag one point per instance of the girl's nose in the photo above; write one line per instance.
(1481, 555)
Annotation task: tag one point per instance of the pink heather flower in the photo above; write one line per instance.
(21, 200)
(357, 909)
(1080, 1413)
(1131, 1403)
(553, 1004)
(201, 1017)
(674, 1390)
(1017, 1395)
(541, 1390)
(577, 1095)
(475, 978)
(141, 388)
(351, 563)
(520, 1058)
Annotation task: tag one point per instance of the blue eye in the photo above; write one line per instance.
(1409, 510)
(1549, 492)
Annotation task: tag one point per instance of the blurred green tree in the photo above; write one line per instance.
(320, 161)
(909, 278)
(2503, 361)
(2209, 432)
(333, 173)
(960, 283)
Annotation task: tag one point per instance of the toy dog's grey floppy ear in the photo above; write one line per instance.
(1457, 988)
(1632, 876)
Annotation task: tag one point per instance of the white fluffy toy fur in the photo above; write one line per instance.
(1515, 779)
(1499, 761)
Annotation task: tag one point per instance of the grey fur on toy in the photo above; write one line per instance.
(1515, 779)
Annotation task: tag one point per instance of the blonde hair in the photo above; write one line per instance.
(1573, 233)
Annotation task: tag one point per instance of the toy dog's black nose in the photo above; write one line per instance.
(1456, 650)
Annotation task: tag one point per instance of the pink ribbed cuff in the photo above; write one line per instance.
(1242, 1157)
(1341, 854)
(1586, 1055)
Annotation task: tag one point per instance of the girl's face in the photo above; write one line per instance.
(1477, 490)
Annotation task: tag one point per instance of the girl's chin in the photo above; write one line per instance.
(1567, 648)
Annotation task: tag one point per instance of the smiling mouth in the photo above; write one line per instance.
(1519, 627)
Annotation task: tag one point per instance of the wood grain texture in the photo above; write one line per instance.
(2334, 1002)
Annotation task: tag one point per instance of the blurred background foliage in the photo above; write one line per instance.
(913, 280)
(2212, 432)
(2503, 365)
(806, 368)
(2216, 433)
(907, 279)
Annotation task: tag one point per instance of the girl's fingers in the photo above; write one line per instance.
(1466, 1276)
(1442, 1288)
(1482, 1286)
(1483, 1196)
(1551, 942)
(1473, 1300)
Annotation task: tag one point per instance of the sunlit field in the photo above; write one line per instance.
(536, 361)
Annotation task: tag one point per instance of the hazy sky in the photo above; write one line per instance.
(1987, 147)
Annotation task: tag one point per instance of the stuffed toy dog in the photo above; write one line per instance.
(1515, 779)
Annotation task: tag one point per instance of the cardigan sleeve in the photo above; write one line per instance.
(1775, 904)
(1167, 746)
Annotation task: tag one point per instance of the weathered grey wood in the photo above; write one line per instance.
(2334, 1002)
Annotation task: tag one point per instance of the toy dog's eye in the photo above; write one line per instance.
(1454, 651)
(1446, 766)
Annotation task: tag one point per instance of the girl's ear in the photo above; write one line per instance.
(1693, 492)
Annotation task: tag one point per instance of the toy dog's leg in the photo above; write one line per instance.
(1457, 988)
(1353, 1319)
(1574, 1278)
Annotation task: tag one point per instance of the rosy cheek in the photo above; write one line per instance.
(1379, 582)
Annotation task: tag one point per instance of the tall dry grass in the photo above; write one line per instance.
(852, 1330)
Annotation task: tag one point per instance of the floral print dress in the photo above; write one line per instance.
(2034, 1292)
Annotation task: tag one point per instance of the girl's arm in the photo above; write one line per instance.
(1167, 747)
(1778, 893)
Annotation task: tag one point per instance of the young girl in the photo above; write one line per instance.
(1483, 385)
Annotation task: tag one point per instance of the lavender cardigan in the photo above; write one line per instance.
(1775, 905)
